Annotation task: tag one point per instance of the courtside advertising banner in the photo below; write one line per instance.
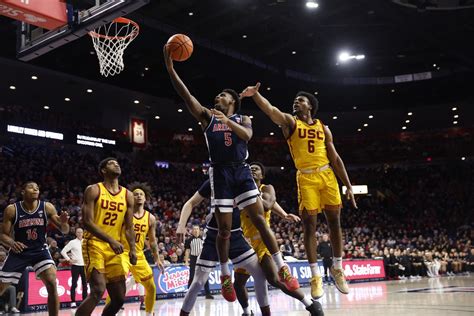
(174, 281)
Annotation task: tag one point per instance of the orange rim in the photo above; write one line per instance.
(121, 20)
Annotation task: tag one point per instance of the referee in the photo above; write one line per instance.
(325, 251)
(193, 247)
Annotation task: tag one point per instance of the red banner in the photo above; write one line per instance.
(37, 294)
(138, 132)
(48, 14)
(363, 269)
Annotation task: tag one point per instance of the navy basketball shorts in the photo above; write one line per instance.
(240, 251)
(16, 263)
(232, 186)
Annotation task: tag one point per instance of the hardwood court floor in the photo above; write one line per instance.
(439, 296)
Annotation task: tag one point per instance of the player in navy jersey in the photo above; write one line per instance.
(240, 252)
(227, 134)
(27, 220)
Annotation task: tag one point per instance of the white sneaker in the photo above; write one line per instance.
(73, 304)
(14, 310)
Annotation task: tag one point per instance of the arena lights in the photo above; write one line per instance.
(456, 116)
(365, 125)
(89, 90)
(34, 77)
(316, 92)
(371, 116)
(293, 52)
(271, 133)
(157, 118)
(393, 90)
(136, 101)
(12, 87)
(244, 36)
(190, 129)
(34, 132)
(359, 129)
(311, 4)
(407, 121)
(455, 122)
(282, 168)
(354, 107)
(251, 116)
(410, 113)
(93, 141)
(180, 110)
(334, 117)
(463, 158)
(345, 56)
(46, 107)
(199, 123)
(190, 13)
(454, 109)
(404, 127)
(67, 99)
(114, 130)
(269, 88)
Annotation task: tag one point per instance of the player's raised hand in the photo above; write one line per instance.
(18, 247)
(292, 218)
(167, 56)
(116, 246)
(64, 217)
(250, 91)
(350, 197)
(220, 116)
(133, 257)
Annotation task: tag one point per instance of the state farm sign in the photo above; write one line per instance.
(363, 269)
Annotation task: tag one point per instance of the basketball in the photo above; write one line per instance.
(180, 47)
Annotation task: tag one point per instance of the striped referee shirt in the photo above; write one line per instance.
(195, 245)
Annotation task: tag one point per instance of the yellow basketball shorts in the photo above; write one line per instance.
(99, 256)
(141, 271)
(260, 249)
(317, 190)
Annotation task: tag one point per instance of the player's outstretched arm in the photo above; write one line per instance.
(186, 211)
(153, 244)
(201, 113)
(280, 212)
(338, 165)
(6, 228)
(60, 222)
(90, 195)
(278, 117)
(129, 232)
(268, 197)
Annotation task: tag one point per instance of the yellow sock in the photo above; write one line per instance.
(107, 299)
(150, 294)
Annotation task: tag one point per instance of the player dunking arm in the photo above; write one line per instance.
(227, 134)
(106, 210)
(240, 252)
(28, 220)
(144, 224)
(313, 152)
(241, 275)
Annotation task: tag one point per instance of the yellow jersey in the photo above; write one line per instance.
(307, 145)
(141, 225)
(248, 228)
(109, 212)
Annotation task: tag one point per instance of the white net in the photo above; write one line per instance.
(110, 41)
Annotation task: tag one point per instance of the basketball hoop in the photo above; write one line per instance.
(110, 41)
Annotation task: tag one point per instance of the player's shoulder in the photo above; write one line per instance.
(10, 207)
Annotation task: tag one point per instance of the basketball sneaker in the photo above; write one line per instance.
(315, 309)
(317, 290)
(339, 280)
(227, 288)
(290, 282)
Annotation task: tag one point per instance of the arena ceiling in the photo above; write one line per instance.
(288, 48)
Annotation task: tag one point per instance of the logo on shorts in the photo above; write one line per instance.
(174, 279)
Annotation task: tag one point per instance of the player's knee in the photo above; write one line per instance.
(309, 228)
(224, 233)
(96, 292)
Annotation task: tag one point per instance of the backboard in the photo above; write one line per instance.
(46, 25)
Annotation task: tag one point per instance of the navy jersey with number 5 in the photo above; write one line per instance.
(30, 227)
(223, 144)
